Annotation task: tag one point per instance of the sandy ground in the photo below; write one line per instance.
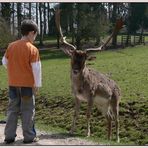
(45, 138)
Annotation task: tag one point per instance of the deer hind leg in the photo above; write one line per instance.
(116, 112)
(88, 114)
(75, 116)
(115, 109)
(109, 126)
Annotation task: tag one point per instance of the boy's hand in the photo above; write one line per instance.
(35, 90)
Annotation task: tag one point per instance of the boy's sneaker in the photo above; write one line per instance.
(36, 139)
(9, 141)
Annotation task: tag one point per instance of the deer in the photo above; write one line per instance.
(91, 86)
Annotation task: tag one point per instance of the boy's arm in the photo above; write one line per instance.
(4, 61)
(5, 57)
(36, 68)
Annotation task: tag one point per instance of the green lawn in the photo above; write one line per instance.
(54, 104)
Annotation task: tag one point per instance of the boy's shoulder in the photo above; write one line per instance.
(22, 43)
(13, 43)
(31, 46)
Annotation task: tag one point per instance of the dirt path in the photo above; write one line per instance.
(46, 138)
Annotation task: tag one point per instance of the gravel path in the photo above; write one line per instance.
(46, 138)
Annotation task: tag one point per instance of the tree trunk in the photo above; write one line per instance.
(45, 18)
(58, 39)
(19, 19)
(49, 16)
(41, 24)
(13, 16)
(24, 12)
(127, 39)
(141, 34)
(36, 13)
(72, 27)
(97, 40)
(29, 10)
(78, 40)
(109, 10)
(114, 15)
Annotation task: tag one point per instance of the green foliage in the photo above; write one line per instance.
(138, 17)
(5, 34)
(54, 103)
(6, 11)
(93, 21)
(90, 19)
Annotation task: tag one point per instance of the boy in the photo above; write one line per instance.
(24, 78)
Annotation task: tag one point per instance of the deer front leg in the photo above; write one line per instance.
(89, 107)
(75, 116)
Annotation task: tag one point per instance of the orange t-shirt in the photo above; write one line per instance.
(20, 55)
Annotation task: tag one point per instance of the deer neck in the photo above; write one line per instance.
(78, 84)
(78, 80)
(79, 77)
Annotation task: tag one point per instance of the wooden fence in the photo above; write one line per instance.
(132, 40)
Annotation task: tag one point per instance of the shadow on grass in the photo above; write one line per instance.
(47, 54)
(58, 136)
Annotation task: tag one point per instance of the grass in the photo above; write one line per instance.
(54, 103)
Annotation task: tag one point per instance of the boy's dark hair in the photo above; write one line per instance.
(27, 26)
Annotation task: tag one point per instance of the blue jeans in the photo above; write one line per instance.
(21, 102)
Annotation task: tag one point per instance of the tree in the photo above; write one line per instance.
(115, 11)
(29, 10)
(48, 16)
(114, 18)
(83, 17)
(13, 19)
(99, 21)
(19, 18)
(37, 13)
(41, 22)
(68, 18)
(137, 18)
(45, 21)
(6, 12)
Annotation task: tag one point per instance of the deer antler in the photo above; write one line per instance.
(67, 46)
(118, 26)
